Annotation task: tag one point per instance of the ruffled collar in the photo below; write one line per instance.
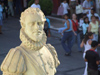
(30, 44)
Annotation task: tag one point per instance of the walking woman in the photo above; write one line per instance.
(85, 25)
(67, 36)
(94, 28)
(87, 45)
(65, 6)
(75, 28)
(63, 9)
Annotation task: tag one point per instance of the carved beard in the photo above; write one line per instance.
(30, 44)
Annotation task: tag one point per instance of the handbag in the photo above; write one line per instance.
(60, 10)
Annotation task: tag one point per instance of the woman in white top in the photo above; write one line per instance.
(87, 45)
(65, 6)
(79, 10)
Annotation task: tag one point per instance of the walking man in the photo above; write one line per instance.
(92, 57)
(11, 10)
(36, 4)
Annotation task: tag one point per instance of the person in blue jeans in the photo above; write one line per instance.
(67, 36)
(75, 28)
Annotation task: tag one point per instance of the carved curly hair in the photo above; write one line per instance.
(35, 11)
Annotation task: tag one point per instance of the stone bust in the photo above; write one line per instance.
(33, 56)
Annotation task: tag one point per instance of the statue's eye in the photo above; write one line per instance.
(40, 23)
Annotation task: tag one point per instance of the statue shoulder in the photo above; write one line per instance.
(54, 54)
(52, 49)
(14, 62)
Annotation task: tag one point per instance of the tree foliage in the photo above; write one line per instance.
(46, 6)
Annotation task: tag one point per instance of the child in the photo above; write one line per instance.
(85, 25)
(87, 45)
(92, 57)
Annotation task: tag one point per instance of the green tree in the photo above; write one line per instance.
(46, 6)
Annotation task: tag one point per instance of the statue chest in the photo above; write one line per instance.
(41, 60)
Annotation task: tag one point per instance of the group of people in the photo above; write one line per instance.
(7, 7)
(89, 22)
(90, 32)
(75, 6)
(82, 17)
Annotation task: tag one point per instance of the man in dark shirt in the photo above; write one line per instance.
(92, 57)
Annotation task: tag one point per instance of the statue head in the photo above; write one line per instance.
(32, 22)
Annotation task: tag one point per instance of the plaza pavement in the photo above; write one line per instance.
(71, 65)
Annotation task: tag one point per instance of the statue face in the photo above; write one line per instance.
(34, 29)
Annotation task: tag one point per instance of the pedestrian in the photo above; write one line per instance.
(76, 29)
(1, 17)
(82, 20)
(92, 3)
(97, 19)
(86, 6)
(92, 57)
(85, 25)
(25, 4)
(18, 7)
(4, 10)
(65, 6)
(79, 10)
(67, 36)
(47, 27)
(93, 13)
(72, 4)
(36, 4)
(94, 27)
(11, 10)
(87, 45)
